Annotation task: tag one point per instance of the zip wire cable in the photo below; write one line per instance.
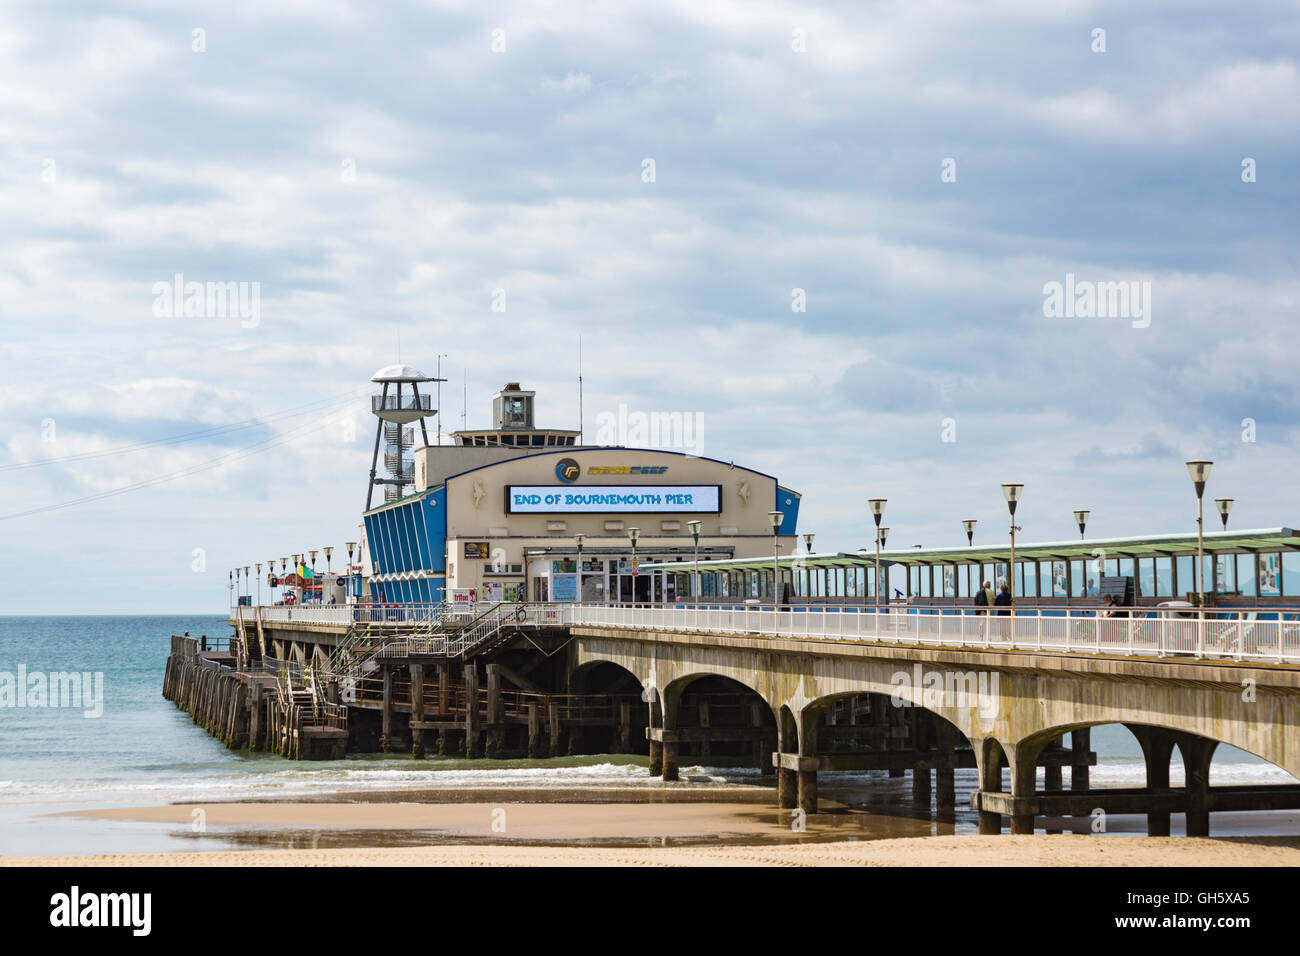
(318, 406)
(208, 465)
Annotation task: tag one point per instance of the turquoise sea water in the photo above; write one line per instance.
(142, 750)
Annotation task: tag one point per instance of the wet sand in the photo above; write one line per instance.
(393, 832)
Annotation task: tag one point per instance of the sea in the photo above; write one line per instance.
(139, 749)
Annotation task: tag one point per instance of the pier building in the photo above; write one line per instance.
(517, 512)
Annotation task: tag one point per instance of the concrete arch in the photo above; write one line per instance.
(579, 674)
(1183, 740)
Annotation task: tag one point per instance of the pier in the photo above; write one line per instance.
(798, 691)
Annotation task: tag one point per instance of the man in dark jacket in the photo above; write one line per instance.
(1003, 600)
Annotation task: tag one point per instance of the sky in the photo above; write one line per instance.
(825, 229)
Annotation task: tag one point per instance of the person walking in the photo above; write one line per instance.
(1003, 601)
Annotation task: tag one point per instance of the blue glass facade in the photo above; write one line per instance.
(409, 535)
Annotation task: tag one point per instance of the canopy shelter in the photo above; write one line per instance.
(1253, 567)
(1267, 539)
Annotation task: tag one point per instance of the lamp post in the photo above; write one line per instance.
(351, 546)
(248, 581)
(877, 506)
(1081, 519)
(1200, 473)
(775, 517)
(969, 525)
(1012, 493)
(1224, 505)
(807, 550)
(882, 534)
(230, 586)
(328, 551)
(259, 583)
(695, 527)
(577, 540)
(633, 534)
(313, 562)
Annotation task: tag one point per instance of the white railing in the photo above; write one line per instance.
(1264, 635)
(354, 613)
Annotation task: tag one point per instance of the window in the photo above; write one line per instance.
(1077, 578)
(1246, 573)
(963, 580)
(1164, 577)
(1029, 573)
(1057, 570)
(1187, 574)
(1291, 573)
(925, 581)
(1125, 566)
(1147, 576)
(1225, 578)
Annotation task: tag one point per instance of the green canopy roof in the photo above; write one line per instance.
(1267, 539)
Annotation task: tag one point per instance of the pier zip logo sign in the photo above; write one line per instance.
(567, 470)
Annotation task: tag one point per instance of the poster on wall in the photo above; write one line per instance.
(564, 587)
(463, 598)
(564, 566)
(1270, 575)
(493, 591)
(949, 581)
(1058, 578)
(512, 592)
(476, 549)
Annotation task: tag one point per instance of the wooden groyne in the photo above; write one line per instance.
(212, 693)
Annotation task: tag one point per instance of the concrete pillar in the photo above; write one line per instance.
(1157, 747)
(1052, 776)
(945, 796)
(417, 710)
(670, 760)
(763, 746)
(921, 786)
(1081, 745)
(656, 758)
(808, 791)
(444, 690)
(787, 789)
(990, 771)
(1197, 754)
(1024, 784)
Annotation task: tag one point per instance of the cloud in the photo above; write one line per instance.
(381, 177)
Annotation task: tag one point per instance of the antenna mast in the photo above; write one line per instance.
(579, 388)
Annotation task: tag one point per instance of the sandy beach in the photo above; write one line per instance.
(625, 834)
(1004, 850)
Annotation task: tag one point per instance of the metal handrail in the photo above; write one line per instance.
(1158, 632)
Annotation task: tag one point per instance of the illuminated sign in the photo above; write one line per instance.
(613, 499)
(626, 469)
